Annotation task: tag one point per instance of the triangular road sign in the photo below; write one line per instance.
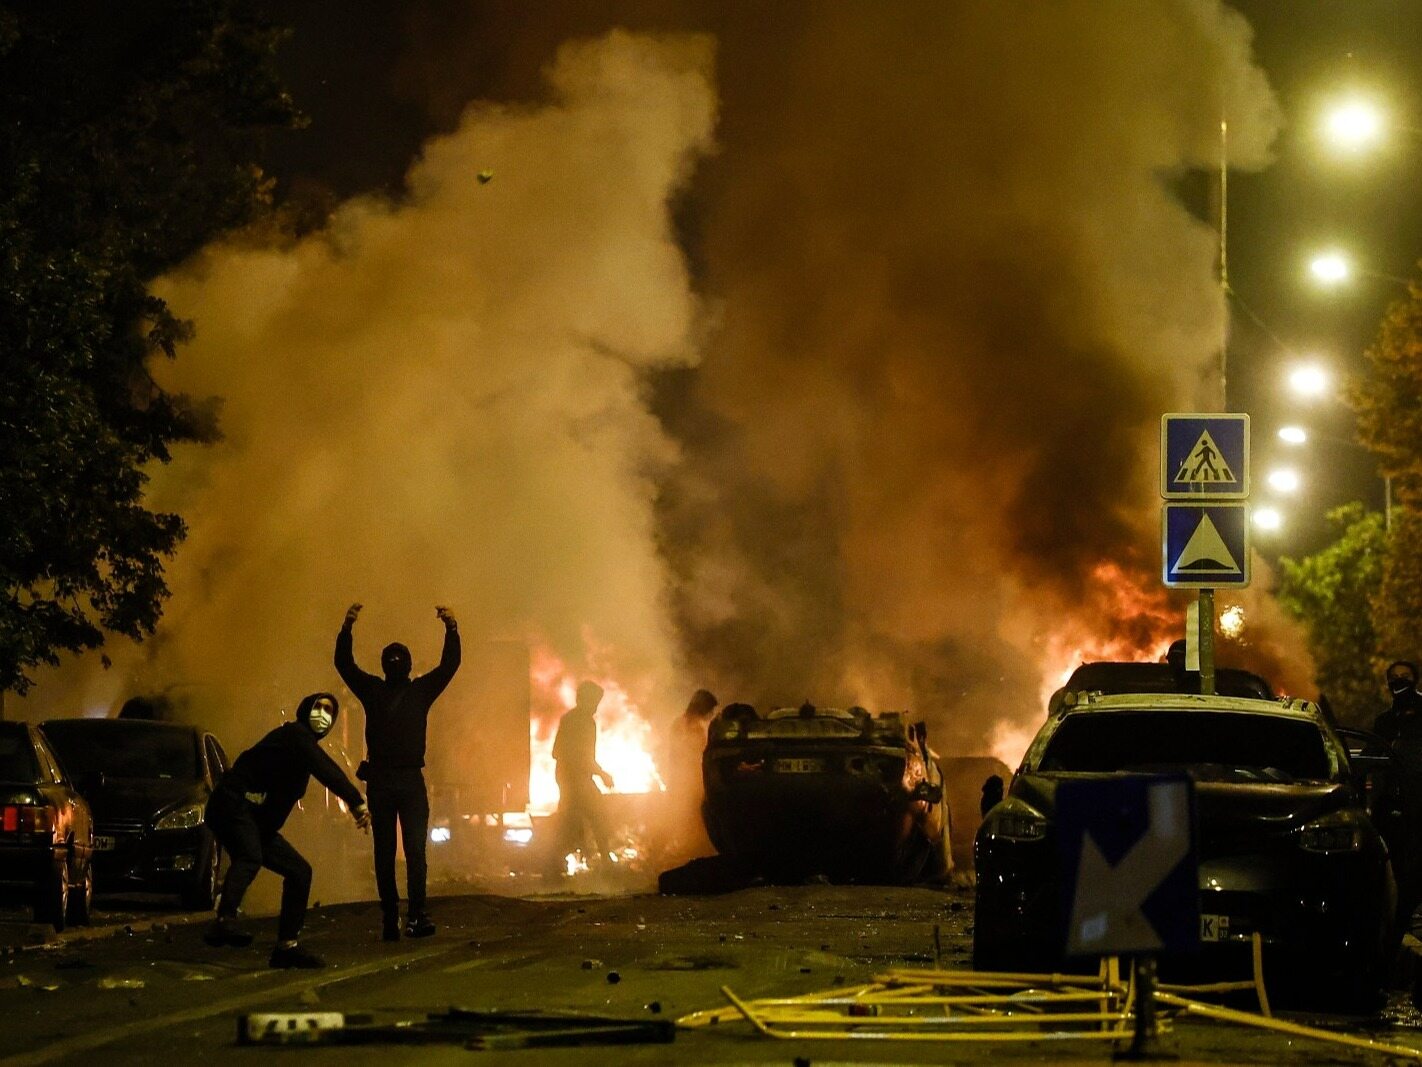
(1205, 465)
(1206, 552)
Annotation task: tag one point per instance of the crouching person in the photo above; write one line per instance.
(246, 813)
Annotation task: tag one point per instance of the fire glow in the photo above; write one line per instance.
(624, 736)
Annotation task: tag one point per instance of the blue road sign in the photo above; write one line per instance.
(1203, 455)
(1130, 873)
(1205, 546)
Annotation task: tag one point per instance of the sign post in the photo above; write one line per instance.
(1204, 458)
(1131, 884)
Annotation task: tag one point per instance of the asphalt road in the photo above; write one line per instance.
(157, 992)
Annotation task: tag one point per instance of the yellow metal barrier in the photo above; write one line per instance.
(967, 1006)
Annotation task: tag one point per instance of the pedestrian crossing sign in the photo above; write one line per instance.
(1204, 455)
(1205, 546)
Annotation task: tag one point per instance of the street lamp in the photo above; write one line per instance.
(1268, 518)
(1308, 380)
(1330, 268)
(1354, 124)
(1293, 435)
(1284, 480)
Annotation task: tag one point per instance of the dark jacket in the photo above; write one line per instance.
(273, 774)
(1403, 721)
(395, 712)
(575, 746)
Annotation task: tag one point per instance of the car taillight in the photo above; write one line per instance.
(27, 819)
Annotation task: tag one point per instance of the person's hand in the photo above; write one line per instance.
(446, 616)
(352, 613)
(606, 779)
(361, 814)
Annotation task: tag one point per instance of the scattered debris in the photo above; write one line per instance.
(613, 977)
(485, 177)
(114, 982)
(479, 1031)
(591, 965)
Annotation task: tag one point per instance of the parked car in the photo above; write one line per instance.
(149, 782)
(46, 833)
(1286, 847)
(825, 791)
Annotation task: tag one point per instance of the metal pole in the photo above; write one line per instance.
(1224, 262)
(1207, 642)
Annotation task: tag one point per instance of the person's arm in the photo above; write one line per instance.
(328, 772)
(356, 679)
(435, 681)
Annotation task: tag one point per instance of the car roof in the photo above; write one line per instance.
(121, 724)
(1092, 703)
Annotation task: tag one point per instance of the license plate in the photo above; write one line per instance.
(798, 766)
(103, 843)
(1214, 927)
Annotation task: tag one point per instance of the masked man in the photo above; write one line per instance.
(576, 767)
(1402, 721)
(396, 710)
(248, 809)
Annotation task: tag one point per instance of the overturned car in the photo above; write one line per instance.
(839, 793)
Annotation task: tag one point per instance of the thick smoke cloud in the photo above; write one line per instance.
(949, 289)
(441, 401)
(957, 293)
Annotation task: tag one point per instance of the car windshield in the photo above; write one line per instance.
(122, 749)
(17, 756)
(1224, 746)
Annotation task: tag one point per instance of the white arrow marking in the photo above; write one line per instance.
(1106, 914)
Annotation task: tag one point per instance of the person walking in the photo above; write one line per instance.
(576, 768)
(397, 710)
(684, 829)
(247, 810)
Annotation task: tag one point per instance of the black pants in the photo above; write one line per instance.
(399, 793)
(252, 847)
(579, 816)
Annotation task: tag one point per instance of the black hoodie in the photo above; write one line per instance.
(273, 774)
(395, 711)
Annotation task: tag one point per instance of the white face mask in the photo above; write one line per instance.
(321, 718)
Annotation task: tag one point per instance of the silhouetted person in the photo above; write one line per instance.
(993, 790)
(681, 764)
(396, 710)
(248, 809)
(1402, 721)
(576, 767)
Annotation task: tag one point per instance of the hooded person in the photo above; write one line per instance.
(248, 808)
(397, 709)
(1402, 721)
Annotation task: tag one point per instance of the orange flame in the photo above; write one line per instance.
(624, 736)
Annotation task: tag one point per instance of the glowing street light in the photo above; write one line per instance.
(1284, 480)
(1268, 518)
(1354, 124)
(1330, 268)
(1293, 435)
(1309, 380)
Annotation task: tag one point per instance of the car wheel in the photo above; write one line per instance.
(201, 893)
(52, 904)
(81, 898)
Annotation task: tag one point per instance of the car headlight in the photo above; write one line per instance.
(1015, 821)
(183, 818)
(1331, 834)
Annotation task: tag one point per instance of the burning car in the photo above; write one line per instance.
(824, 791)
(1286, 847)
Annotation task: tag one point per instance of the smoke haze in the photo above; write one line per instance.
(860, 407)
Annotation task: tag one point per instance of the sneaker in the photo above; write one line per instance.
(390, 928)
(224, 935)
(419, 926)
(296, 956)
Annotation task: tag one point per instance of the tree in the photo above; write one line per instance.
(127, 135)
(1331, 592)
(1388, 399)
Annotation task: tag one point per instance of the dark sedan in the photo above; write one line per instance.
(1285, 844)
(826, 791)
(150, 782)
(46, 835)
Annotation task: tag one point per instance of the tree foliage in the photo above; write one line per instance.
(1331, 592)
(127, 135)
(1388, 399)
